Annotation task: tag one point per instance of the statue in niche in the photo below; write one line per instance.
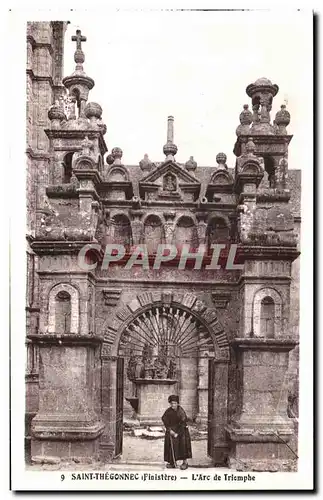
(70, 107)
(172, 369)
(147, 355)
(160, 365)
(169, 183)
(132, 368)
(145, 366)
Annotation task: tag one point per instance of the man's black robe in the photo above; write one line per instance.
(176, 420)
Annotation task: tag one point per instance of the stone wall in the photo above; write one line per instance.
(43, 79)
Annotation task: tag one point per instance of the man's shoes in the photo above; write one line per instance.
(170, 466)
(184, 466)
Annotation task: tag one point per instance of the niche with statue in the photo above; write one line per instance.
(154, 375)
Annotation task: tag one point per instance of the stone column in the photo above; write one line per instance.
(137, 227)
(169, 226)
(66, 425)
(202, 391)
(261, 429)
(201, 226)
(219, 420)
(109, 384)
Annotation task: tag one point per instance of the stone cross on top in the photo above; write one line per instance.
(78, 38)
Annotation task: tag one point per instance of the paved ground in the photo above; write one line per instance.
(138, 453)
(136, 449)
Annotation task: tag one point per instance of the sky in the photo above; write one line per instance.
(196, 67)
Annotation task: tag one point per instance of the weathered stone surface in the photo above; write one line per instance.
(73, 383)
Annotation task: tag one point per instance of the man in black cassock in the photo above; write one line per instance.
(177, 445)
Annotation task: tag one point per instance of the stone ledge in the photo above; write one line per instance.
(65, 339)
(248, 251)
(47, 431)
(154, 381)
(263, 344)
(50, 247)
(31, 377)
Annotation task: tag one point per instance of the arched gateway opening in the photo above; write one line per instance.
(169, 346)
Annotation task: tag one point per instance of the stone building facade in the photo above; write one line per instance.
(101, 338)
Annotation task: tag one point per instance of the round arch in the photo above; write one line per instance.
(74, 294)
(271, 293)
(191, 316)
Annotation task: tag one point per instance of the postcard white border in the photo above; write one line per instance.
(14, 105)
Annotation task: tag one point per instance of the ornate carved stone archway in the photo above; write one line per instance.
(205, 318)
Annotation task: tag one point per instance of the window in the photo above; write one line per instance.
(217, 231)
(186, 233)
(67, 168)
(63, 312)
(122, 234)
(267, 317)
(154, 234)
(63, 309)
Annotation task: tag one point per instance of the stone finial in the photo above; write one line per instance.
(117, 155)
(93, 110)
(282, 120)
(110, 159)
(56, 115)
(170, 149)
(221, 159)
(146, 164)
(250, 147)
(262, 93)
(245, 115)
(78, 82)
(191, 164)
(262, 85)
(170, 129)
(245, 121)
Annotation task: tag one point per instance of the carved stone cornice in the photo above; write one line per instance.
(273, 195)
(40, 78)
(52, 247)
(273, 144)
(263, 344)
(250, 252)
(62, 191)
(73, 133)
(221, 299)
(64, 339)
(35, 44)
(111, 296)
(35, 155)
